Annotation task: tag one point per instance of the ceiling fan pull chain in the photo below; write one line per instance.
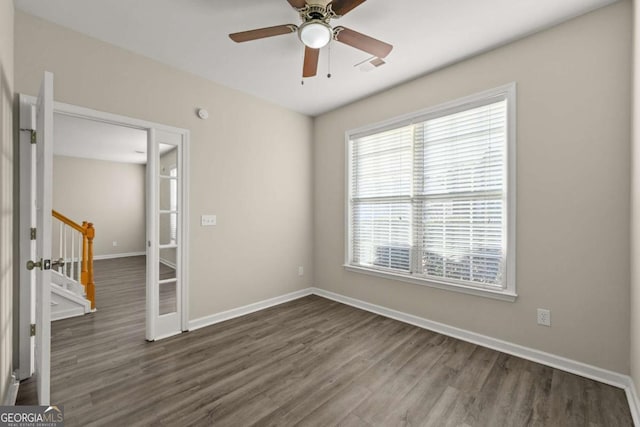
(329, 61)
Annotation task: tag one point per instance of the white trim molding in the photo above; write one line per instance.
(247, 309)
(12, 392)
(469, 290)
(634, 401)
(68, 314)
(122, 255)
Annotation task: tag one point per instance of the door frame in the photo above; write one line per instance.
(150, 128)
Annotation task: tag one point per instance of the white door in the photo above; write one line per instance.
(165, 188)
(42, 256)
(27, 221)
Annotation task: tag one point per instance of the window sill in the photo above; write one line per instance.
(487, 293)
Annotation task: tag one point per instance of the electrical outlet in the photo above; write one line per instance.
(115, 243)
(544, 317)
(300, 271)
(208, 220)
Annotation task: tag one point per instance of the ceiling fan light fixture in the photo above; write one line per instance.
(315, 34)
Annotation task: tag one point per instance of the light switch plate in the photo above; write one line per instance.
(208, 220)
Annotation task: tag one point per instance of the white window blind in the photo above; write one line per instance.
(428, 198)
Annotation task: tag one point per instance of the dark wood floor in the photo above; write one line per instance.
(311, 361)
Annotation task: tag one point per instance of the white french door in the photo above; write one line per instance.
(40, 263)
(165, 231)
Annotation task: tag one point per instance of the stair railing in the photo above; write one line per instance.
(76, 251)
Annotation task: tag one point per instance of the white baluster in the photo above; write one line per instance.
(78, 265)
(73, 254)
(64, 256)
(60, 240)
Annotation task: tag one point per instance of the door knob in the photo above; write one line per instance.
(31, 265)
(42, 264)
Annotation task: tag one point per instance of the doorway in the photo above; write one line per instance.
(166, 216)
(99, 186)
(167, 150)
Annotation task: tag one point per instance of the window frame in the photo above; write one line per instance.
(506, 92)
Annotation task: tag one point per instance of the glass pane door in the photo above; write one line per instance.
(164, 260)
(168, 229)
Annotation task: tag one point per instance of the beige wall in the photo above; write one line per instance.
(573, 86)
(250, 161)
(113, 199)
(6, 196)
(635, 204)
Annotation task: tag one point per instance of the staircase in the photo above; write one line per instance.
(72, 285)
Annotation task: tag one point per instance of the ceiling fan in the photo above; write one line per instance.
(316, 32)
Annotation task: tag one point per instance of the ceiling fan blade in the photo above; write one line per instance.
(298, 4)
(363, 42)
(342, 7)
(260, 33)
(310, 67)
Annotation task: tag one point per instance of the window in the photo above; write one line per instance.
(432, 196)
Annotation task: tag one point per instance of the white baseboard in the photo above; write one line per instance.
(241, 311)
(67, 314)
(122, 255)
(12, 392)
(634, 401)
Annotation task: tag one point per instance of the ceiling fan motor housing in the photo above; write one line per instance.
(316, 12)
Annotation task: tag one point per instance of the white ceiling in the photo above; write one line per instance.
(192, 35)
(90, 139)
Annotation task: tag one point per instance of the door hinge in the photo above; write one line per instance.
(32, 132)
(33, 330)
(33, 234)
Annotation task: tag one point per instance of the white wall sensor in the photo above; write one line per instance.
(203, 114)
